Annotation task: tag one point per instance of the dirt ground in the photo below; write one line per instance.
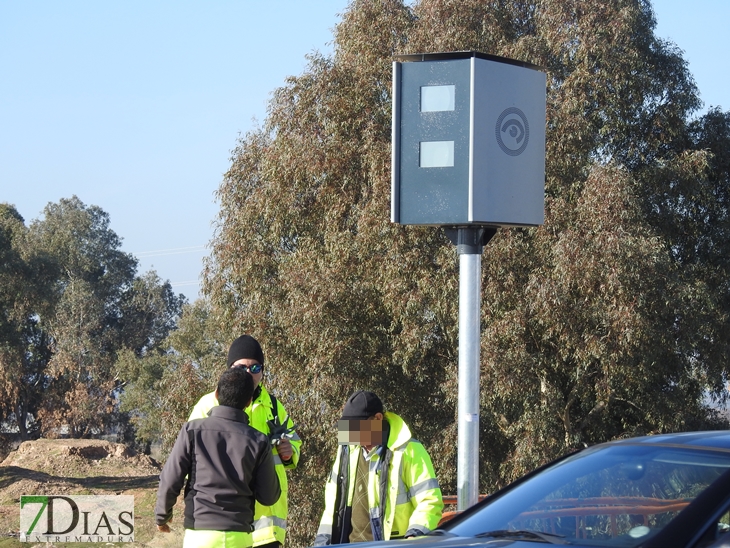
(83, 467)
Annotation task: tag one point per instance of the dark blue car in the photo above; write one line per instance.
(664, 491)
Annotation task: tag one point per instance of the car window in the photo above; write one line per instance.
(719, 535)
(618, 496)
(723, 525)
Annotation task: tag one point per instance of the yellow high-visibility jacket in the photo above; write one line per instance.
(404, 496)
(269, 521)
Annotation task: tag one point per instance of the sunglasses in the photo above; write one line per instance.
(253, 369)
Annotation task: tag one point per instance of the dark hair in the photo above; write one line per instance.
(235, 388)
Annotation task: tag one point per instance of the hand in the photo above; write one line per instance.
(278, 429)
(286, 451)
(164, 528)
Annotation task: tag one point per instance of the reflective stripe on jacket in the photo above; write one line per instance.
(412, 497)
(269, 521)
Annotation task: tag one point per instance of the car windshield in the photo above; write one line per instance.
(604, 496)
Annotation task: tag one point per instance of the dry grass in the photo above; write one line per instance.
(82, 467)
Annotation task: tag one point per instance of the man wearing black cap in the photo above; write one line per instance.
(382, 484)
(267, 415)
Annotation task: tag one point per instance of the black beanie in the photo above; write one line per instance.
(245, 346)
(361, 406)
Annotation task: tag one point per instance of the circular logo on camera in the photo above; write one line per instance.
(513, 131)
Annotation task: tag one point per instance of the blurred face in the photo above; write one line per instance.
(250, 365)
(367, 433)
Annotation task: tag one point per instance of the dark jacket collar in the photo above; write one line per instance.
(225, 412)
(256, 393)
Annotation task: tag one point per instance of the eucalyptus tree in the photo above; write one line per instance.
(164, 385)
(26, 278)
(609, 320)
(95, 307)
(94, 274)
(12, 320)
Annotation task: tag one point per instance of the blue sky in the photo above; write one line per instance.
(135, 106)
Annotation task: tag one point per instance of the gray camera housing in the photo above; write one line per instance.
(468, 141)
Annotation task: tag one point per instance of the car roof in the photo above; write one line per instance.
(712, 440)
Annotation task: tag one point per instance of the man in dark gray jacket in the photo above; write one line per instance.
(225, 466)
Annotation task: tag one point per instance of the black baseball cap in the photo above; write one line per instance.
(361, 406)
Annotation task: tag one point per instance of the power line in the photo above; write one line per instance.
(171, 251)
(190, 282)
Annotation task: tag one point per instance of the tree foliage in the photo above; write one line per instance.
(26, 279)
(166, 385)
(610, 320)
(72, 302)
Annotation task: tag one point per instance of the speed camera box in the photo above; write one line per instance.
(468, 141)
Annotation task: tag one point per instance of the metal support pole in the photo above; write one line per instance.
(469, 242)
(470, 266)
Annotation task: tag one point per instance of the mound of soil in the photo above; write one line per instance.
(82, 467)
(81, 458)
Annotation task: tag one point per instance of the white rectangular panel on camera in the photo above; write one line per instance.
(437, 154)
(437, 98)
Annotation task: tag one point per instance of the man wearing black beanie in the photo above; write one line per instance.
(244, 347)
(268, 416)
